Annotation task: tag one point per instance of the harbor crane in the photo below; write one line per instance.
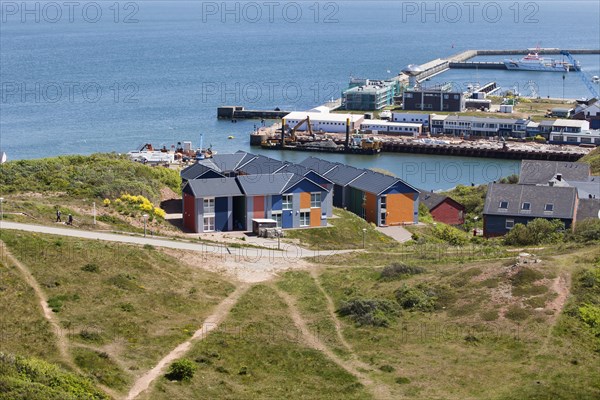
(587, 81)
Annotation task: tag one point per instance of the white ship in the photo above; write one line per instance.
(533, 62)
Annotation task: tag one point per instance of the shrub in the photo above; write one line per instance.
(402, 380)
(368, 311)
(106, 202)
(586, 231)
(91, 267)
(419, 298)
(181, 370)
(517, 313)
(398, 270)
(590, 314)
(538, 231)
(449, 234)
(590, 278)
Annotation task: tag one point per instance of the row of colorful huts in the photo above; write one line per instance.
(235, 191)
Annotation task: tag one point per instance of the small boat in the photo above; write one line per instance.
(230, 137)
(595, 79)
(2, 157)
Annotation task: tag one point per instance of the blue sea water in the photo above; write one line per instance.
(97, 80)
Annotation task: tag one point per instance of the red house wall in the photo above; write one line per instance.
(189, 212)
(448, 213)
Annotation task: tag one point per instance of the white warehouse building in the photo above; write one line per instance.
(414, 118)
(324, 121)
(391, 128)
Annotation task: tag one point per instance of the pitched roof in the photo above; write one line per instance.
(343, 174)
(264, 184)
(432, 200)
(562, 198)
(261, 165)
(230, 161)
(588, 208)
(218, 187)
(195, 170)
(318, 165)
(374, 182)
(588, 188)
(540, 172)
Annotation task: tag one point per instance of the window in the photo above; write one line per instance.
(510, 223)
(209, 206)
(526, 206)
(383, 202)
(315, 200)
(304, 219)
(209, 224)
(287, 202)
(549, 207)
(277, 218)
(503, 205)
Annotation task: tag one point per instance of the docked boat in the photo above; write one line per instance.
(533, 62)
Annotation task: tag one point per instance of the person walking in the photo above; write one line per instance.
(70, 220)
(58, 215)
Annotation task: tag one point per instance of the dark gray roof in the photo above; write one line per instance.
(217, 187)
(343, 175)
(563, 199)
(195, 170)
(588, 208)
(374, 182)
(228, 162)
(318, 165)
(432, 200)
(261, 165)
(264, 184)
(340, 174)
(587, 188)
(540, 172)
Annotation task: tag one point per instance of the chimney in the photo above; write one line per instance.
(550, 183)
(559, 177)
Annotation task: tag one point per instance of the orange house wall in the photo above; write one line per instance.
(304, 200)
(371, 208)
(400, 208)
(315, 217)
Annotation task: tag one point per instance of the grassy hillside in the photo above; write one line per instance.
(260, 355)
(96, 176)
(593, 158)
(27, 378)
(121, 307)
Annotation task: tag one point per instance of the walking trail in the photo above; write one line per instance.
(61, 337)
(211, 322)
(353, 367)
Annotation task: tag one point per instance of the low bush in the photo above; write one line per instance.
(371, 312)
(417, 298)
(590, 314)
(451, 235)
(586, 231)
(181, 370)
(538, 231)
(399, 271)
(91, 267)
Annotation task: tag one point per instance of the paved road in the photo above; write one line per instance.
(289, 251)
(398, 233)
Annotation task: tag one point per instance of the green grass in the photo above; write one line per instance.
(516, 357)
(23, 328)
(139, 304)
(258, 354)
(593, 158)
(28, 378)
(346, 233)
(96, 176)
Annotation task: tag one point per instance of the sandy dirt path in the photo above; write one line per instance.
(211, 322)
(62, 342)
(353, 367)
